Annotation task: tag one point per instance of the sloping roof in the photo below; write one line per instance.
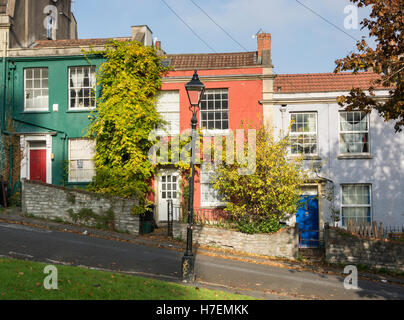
(74, 42)
(213, 60)
(178, 61)
(323, 82)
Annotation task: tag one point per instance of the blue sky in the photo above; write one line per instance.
(301, 41)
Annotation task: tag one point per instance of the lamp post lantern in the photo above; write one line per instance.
(195, 89)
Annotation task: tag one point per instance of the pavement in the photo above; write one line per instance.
(157, 256)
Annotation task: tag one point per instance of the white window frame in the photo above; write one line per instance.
(216, 131)
(343, 222)
(205, 188)
(34, 109)
(340, 133)
(90, 158)
(164, 192)
(297, 134)
(72, 108)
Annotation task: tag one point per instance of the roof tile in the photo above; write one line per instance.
(212, 60)
(324, 82)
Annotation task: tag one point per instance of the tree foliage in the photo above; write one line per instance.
(259, 201)
(385, 25)
(126, 114)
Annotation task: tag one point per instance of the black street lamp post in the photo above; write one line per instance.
(195, 89)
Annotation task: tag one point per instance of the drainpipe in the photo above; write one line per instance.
(3, 120)
(283, 110)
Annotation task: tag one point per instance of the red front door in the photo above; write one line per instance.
(37, 165)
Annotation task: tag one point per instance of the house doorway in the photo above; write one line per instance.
(168, 190)
(36, 162)
(37, 165)
(308, 219)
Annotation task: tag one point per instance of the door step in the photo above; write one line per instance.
(312, 254)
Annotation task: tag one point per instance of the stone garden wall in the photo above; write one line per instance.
(58, 203)
(284, 243)
(343, 247)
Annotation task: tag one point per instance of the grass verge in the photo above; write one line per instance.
(24, 280)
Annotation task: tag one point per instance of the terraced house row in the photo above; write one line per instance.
(47, 96)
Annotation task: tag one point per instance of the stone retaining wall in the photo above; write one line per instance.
(54, 203)
(284, 243)
(342, 247)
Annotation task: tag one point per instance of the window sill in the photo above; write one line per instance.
(215, 132)
(82, 110)
(212, 206)
(35, 111)
(78, 183)
(308, 157)
(354, 156)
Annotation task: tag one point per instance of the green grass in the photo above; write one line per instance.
(23, 280)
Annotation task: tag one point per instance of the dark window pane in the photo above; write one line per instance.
(225, 125)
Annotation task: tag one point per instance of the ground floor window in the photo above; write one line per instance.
(81, 163)
(356, 203)
(209, 196)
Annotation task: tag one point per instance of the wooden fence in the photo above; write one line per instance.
(375, 230)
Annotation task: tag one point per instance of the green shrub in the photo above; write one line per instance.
(259, 226)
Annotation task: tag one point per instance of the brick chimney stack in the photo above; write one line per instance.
(264, 48)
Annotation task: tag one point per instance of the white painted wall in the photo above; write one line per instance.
(384, 171)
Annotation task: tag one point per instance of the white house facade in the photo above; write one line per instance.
(358, 158)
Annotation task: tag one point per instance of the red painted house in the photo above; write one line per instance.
(237, 85)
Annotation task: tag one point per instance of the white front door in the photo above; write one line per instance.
(168, 190)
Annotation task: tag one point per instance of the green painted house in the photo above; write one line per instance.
(48, 93)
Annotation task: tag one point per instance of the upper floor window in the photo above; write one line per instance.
(81, 163)
(36, 89)
(304, 133)
(168, 105)
(215, 109)
(354, 132)
(356, 203)
(82, 87)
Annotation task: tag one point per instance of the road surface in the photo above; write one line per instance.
(264, 281)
